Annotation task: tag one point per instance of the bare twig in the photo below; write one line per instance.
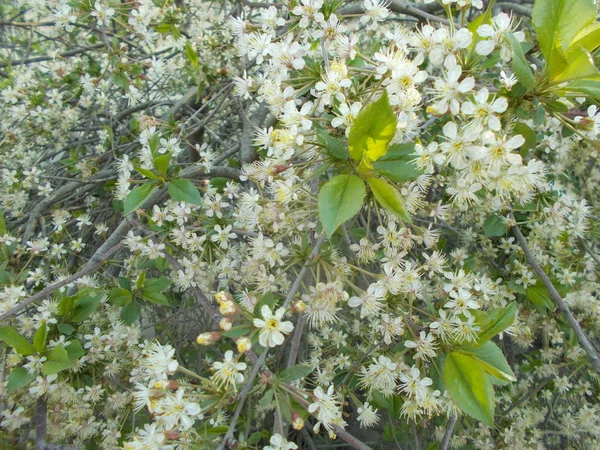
(445, 444)
(555, 296)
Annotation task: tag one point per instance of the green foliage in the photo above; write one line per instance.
(294, 373)
(494, 226)
(13, 338)
(398, 163)
(520, 66)
(339, 200)
(40, 336)
(19, 378)
(389, 197)
(137, 197)
(469, 386)
(57, 361)
(494, 322)
(372, 131)
(333, 146)
(184, 191)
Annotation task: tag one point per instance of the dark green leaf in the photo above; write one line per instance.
(294, 373)
(339, 200)
(75, 350)
(333, 146)
(65, 328)
(130, 313)
(538, 295)
(18, 379)
(86, 306)
(119, 296)
(155, 297)
(157, 284)
(240, 331)
(520, 66)
(184, 191)
(528, 134)
(494, 226)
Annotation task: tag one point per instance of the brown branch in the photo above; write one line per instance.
(49, 58)
(91, 266)
(555, 296)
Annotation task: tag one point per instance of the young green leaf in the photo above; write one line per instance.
(40, 336)
(184, 191)
(469, 387)
(372, 131)
(75, 350)
(57, 360)
(339, 200)
(137, 197)
(494, 322)
(389, 197)
(12, 338)
(538, 295)
(398, 163)
(493, 361)
(520, 66)
(18, 379)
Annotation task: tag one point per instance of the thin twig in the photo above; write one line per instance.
(445, 444)
(555, 296)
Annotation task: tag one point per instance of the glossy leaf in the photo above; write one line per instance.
(339, 200)
(389, 197)
(469, 387)
(372, 131)
(184, 191)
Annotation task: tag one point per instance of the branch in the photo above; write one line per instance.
(48, 58)
(401, 7)
(445, 444)
(91, 266)
(555, 296)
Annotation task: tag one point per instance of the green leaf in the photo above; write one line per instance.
(557, 23)
(520, 66)
(333, 146)
(398, 163)
(496, 321)
(493, 361)
(589, 87)
(40, 336)
(469, 387)
(538, 295)
(294, 373)
(372, 131)
(494, 226)
(75, 350)
(389, 197)
(130, 313)
(12, 338)
(18, 379)
(184, 191)
(65, 328)
(87, 305)
(57, 360)
(588, 38)
(155, 297)
(162, 163)
(240, 331)
(528, 134)
(339, 200)
(157, 284)
(145, 172)
(137, 197)
(580, 64)
(191, 54)
(119, 296)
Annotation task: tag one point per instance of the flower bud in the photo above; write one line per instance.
(225, 324)
(223, 296)
(243, 344)
(172, 435)
(297, 422)
(208, 338)
(298, 307)
(227, 308)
